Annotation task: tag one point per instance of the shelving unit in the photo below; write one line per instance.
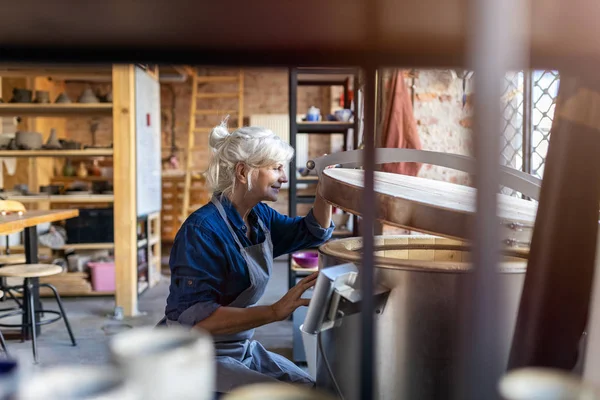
(64, 198)
(327, 77)
(135, 97)
(58, 153)
(56, 110)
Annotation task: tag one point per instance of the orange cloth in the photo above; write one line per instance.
(400, 126)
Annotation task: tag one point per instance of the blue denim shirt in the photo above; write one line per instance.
(207, 267)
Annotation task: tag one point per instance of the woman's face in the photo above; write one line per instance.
(267, 182)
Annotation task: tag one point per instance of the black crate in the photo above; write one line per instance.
(93, 225)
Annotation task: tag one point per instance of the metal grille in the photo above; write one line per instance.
(545, 89)
(542, 89)
(512, 135)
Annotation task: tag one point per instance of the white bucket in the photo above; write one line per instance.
(167, 363)
(309, 340)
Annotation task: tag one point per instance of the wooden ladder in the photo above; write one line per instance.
(197, 94)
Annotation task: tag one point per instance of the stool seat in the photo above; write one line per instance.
(12, 259)
(31, 270)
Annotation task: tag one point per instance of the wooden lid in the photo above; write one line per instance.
(425, 205)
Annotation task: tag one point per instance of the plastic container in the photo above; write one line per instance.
(103, 276)
(306, 259)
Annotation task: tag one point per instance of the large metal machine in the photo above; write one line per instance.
(418, 279)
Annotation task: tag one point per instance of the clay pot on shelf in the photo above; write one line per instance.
(68, 169)
(28, 140)
(95, 169)
(82, 171)
(53, 142)
(88, 96)
(62, 99)
(41, 96)
(21, 96)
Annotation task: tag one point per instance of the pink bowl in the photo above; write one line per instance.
(306, 259)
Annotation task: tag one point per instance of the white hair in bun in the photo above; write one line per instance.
(254, 146)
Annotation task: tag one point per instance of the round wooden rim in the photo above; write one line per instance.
(337, 249)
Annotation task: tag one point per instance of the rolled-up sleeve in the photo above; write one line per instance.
(317, 230)
(293, 234)
(197, 277)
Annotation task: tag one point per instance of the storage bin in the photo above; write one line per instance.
(94, 225)
(103, 276)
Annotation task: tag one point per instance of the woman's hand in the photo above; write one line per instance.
(292, 299)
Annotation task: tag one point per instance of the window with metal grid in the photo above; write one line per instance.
(528, 103)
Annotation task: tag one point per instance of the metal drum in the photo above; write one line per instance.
(416, 321)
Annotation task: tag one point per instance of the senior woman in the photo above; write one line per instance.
(222, 256)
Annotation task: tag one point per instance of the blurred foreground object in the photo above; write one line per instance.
(78, 383)
(276, 391)
(167, 363)
(545, 384)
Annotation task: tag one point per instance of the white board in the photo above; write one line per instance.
(147, 138)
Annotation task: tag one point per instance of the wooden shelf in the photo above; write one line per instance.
(88, 246)
(324, 127)
(308, 179)
(90, 198)
(78, 179)
(341, 232)
(55, 110)
(81, 294)
(57, 153)
(302, 271)
(73, 246)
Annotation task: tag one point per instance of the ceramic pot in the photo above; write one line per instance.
(537, 383)
(82, 171)
(88, 96)
(167, 363)
(276, 391)
(28, 140)
(78, 383)
(42, 96)
(68, 169)
(53, 142)
(21, 96)
(69, 144)
(62, 98)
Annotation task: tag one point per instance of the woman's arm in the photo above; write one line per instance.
(321, 210)
(229, 320)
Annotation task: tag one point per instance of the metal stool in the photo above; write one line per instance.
(2, 341)
(27, 272)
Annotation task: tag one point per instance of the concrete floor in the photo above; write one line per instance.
(93, 325)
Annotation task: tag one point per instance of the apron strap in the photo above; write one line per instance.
(262, 226)
(219, 206)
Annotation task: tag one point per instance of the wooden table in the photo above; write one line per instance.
(10, 223)
(28, 222)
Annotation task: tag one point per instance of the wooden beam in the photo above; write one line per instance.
(125, 220)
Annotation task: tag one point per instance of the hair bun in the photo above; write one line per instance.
(217, 136)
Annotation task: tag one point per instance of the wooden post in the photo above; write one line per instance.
(125, 188)
(554, 306)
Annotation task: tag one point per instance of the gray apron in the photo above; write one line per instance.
(240, 360)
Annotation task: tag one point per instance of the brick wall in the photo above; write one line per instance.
(443, 123)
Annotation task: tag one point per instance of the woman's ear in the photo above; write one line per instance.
(241, 173)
